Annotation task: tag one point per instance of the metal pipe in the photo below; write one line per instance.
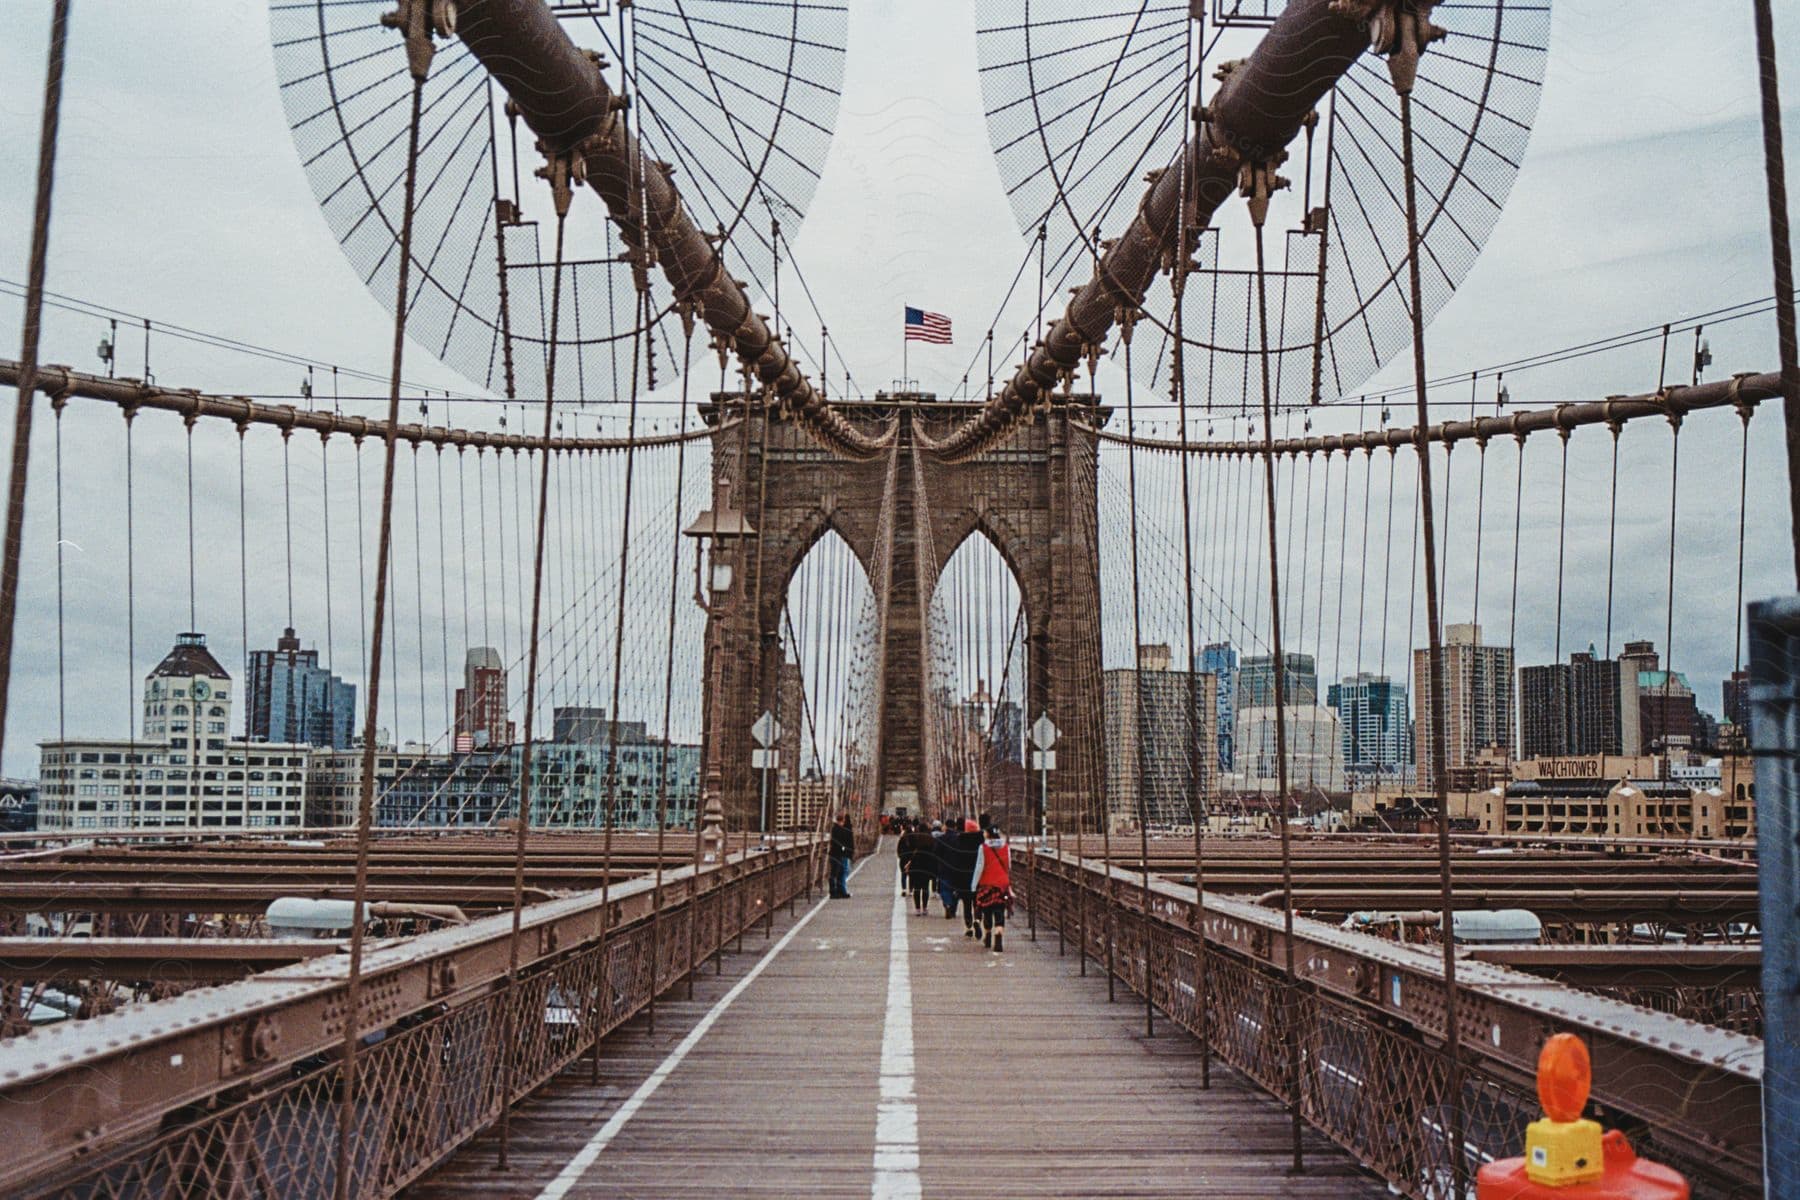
(561, 92)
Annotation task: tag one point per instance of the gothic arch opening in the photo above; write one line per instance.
(823, 694)
(978, 684)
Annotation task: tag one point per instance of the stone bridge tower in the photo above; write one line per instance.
(1034, 497)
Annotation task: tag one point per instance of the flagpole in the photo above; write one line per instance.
(905, 346)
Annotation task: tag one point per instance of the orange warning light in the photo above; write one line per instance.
(1564, 1077)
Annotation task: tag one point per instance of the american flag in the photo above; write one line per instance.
(922, 326)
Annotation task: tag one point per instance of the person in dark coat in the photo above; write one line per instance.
(944, 859)
(956, 848)
(843, 849)
(968, 849)
(920, 857)
(902, 829)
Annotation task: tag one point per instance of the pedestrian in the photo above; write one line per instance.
(946, 857)
(968, 847)
(843, 849)
(921, 867)
(903, 829)
(992, 880)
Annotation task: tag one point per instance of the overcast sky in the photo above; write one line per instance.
(180, 196)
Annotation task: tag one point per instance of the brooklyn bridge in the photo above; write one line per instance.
(1326, 625)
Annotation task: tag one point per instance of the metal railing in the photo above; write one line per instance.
(235, 1090)
(1366, 1019)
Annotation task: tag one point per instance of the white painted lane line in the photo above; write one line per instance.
(897, 1115)
(576, 1167)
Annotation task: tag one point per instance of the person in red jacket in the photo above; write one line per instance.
(992, 884)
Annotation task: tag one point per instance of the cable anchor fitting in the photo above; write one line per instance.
(418, 21)
(1257, 181)
(558, 170)
(1399, 30)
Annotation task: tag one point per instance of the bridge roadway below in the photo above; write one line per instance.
(859, 1050)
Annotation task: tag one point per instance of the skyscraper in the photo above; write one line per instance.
(1220, 660)
(1006, 736)
(1656, 707)
(1736, 700)
(578, 723)
(293, 699)
(1156, 754)
(1256, 680)
(1376, 727)
(1478, 698)
(481, 707)
(1570, 709)
(187, 698)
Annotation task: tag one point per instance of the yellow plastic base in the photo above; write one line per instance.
(1560, 1153)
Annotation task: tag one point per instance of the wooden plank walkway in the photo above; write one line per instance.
(1018, 1078)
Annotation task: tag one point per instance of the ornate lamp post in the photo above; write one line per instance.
(713, 588)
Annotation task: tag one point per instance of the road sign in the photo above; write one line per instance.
(767, 730)
(765, 760)
(1044, 732)
(1043, 760)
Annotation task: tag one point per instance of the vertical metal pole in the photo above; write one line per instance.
(1062, 911)
(1031, 896)
(1782, 252)
(1435, 660)
(28, 349)
(762, 776)
(419, 51)
(1775, 743)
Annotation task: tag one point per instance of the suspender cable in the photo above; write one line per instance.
(419, 595)
(1259, 181)
(193, 619)
(1612, 528)
(62, 712)
(419, 50)
(609, 819)
(1512, 631)
(1663, 719)
(325, 502)
(131, 681)
(28, 350)
(1195, 757)
(1562, 540)
(443, 596)
(662, 779)
(559, 184)
(362, 577)
(1481, 445)
(1137, 677)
